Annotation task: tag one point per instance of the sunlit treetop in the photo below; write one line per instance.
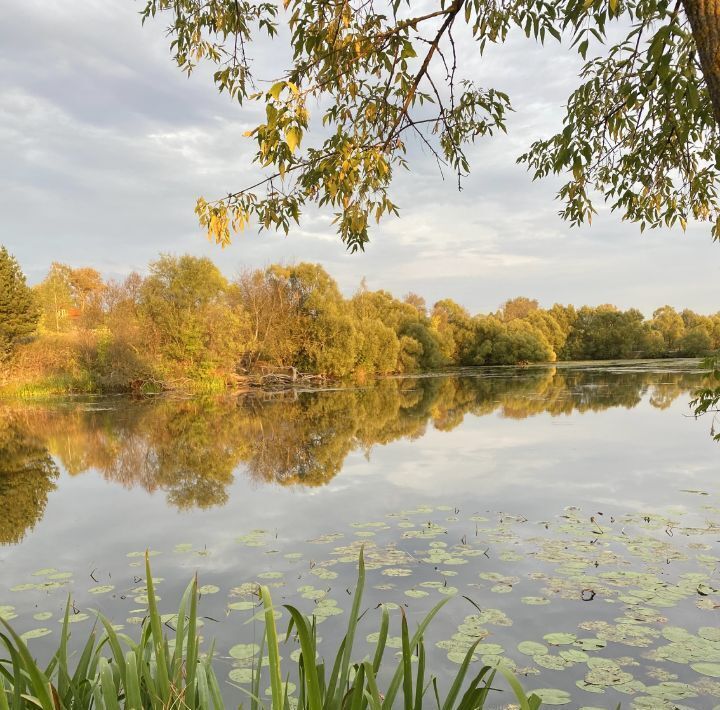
(364, 79)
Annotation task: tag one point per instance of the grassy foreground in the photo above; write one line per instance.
(113, 671)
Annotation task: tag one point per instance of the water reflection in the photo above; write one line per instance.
(27, 475)
(191, 449)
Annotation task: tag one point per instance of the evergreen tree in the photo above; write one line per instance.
(18, 311)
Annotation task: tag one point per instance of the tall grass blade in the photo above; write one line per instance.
(449, 703)
(419, 690)
(39, 682)
(4, 704)
(16, 677)
(107, 685)
(307, 649)
(475, 696)
(397, 677)
(215, 693)
(373, 695)
(114, 643)
(203, 688)
(335, 673)
(358, 694)
(525, 702)
(273, 650)
(255, 702)
(176, 662)
(133, 698)
(406, 663)
(382, 640)
(350, 635)
(163, 681)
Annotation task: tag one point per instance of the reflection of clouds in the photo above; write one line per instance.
(614, 459)
(491, 434)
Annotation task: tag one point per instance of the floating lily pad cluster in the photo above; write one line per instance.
(624, 587)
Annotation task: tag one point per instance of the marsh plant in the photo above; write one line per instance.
(113, 671)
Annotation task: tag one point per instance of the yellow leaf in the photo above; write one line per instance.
(293, 137)
(275, 89)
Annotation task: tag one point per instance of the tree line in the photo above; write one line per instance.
(184, 324)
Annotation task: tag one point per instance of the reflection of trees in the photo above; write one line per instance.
(27, 474)
(189, 449)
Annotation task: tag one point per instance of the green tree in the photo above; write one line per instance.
(640, 128)
(520, 307)
(552, 331)
(420, 345)
(378, 348)
(605, 333)
(55, 296)
(669, 324)
(327, 340)
(695, 343)
(456, 330)
(517, 342)
(188, 316)
(18, 310)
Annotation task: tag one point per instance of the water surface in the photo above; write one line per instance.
(578, 500)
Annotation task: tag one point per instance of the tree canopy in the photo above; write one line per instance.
(365, 80)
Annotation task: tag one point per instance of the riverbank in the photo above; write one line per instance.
(288, 379)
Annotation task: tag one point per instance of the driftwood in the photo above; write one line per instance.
(279, 378)
(267, 379)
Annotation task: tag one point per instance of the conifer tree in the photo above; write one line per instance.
(18, 310)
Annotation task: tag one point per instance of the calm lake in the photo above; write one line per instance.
(577, 506)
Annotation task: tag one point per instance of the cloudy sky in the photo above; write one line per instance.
(105, 145)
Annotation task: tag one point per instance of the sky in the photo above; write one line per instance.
(105, 146)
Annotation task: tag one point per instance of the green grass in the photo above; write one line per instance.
(112, 671)
(50, 386)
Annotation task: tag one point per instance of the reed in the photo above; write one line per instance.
(113, 671)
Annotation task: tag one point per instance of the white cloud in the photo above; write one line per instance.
(105, 146)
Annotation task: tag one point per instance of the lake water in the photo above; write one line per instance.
(579, 501)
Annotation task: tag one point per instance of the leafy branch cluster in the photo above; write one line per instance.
(640, 129)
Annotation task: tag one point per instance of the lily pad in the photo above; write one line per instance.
(35, 634)
(553, 696)
(244, 650)
(101, 589)
(416, 593)
(531, 648)
(208, 589)
(560, 639)
(710, 669)
(241, 606)
(241, 675)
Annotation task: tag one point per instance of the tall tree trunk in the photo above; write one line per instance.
(704, 16)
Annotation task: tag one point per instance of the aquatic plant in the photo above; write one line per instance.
(161, 672)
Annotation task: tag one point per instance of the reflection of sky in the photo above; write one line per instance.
(105, 146)
(618, 459)
(611, 461)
